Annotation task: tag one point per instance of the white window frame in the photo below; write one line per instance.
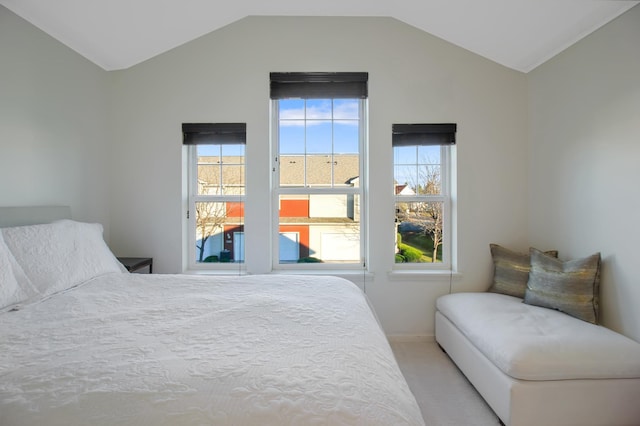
(194, 197)
(278, 191)
(445, 197)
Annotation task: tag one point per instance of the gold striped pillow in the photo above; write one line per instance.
(511, 270)
(571, 287)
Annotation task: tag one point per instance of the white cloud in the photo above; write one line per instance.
(320, 111)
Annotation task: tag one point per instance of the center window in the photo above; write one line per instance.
(318, 174)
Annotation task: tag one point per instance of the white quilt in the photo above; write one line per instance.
(129, 349)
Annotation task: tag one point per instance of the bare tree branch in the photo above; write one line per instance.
(427, 215)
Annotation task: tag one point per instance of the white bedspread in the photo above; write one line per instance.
(129, 349)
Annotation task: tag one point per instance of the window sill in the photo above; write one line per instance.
(413, 275)
(214, 272)
(343, 273)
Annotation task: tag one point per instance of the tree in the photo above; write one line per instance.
(427, 214)
(430, 175)
(433, 227)
(210, 217)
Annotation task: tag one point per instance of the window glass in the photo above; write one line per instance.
(419, 232)
(217, 206)
(319, 137)
(318, 192)
(220, 169)
(217, 224)
(318, 152)
(292, 137)
(319, 228)
(345, 136)
(292, 109)
(421, 215)
(345, 109)
(319, 109)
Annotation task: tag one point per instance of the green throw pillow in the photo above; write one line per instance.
(571, 287)
(511, 271)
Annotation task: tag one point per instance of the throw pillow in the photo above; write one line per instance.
(60, 255)
(511, 271)
(15, 287)
(571, 287)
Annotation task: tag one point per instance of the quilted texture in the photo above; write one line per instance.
(159, 349)
(511, 271)
(571, 287)
(15, 287)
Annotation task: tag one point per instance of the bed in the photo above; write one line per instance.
(83, 342)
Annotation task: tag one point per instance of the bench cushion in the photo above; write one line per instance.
(534, 343)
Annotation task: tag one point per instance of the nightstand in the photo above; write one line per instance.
(134, 264)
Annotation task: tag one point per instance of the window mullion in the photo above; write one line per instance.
(220, 169)
(217, 198)
(333, 147)
(420, 198)
(299, 190)
(306, 142)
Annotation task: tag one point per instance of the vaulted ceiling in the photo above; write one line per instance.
(519, 34)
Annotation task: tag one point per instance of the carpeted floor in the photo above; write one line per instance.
(445, 396)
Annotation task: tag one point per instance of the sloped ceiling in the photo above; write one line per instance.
(519, 34)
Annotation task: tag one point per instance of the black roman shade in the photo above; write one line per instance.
(319, 85)
(424, 134)
(214, 133)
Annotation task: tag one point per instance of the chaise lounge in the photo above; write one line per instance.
(535, 365)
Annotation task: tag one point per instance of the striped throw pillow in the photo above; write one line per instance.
(511, 270)
(571, 287)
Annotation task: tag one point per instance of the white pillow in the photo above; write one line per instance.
(60, 255)
(15, 287)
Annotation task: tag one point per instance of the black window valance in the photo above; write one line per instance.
(319, 85)
(424, 134)
(214, 133)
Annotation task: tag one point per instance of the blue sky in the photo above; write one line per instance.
(214, 150)
(313, 126)
(411, 161)
(319, 126)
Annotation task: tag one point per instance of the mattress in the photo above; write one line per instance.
(129, 349)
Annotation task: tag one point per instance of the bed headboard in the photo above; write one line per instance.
(18, 216)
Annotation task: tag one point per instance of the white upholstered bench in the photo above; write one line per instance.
(536, 366)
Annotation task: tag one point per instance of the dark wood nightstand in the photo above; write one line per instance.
(134, 264)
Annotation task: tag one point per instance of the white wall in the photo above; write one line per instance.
(585, 161)
(413, 77)
(53, 124)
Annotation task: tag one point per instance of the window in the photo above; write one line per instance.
(422, 185)
(319, 122)
(216, 155)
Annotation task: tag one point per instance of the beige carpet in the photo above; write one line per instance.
(445, 396)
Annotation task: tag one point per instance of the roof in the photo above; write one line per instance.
(319, 168)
